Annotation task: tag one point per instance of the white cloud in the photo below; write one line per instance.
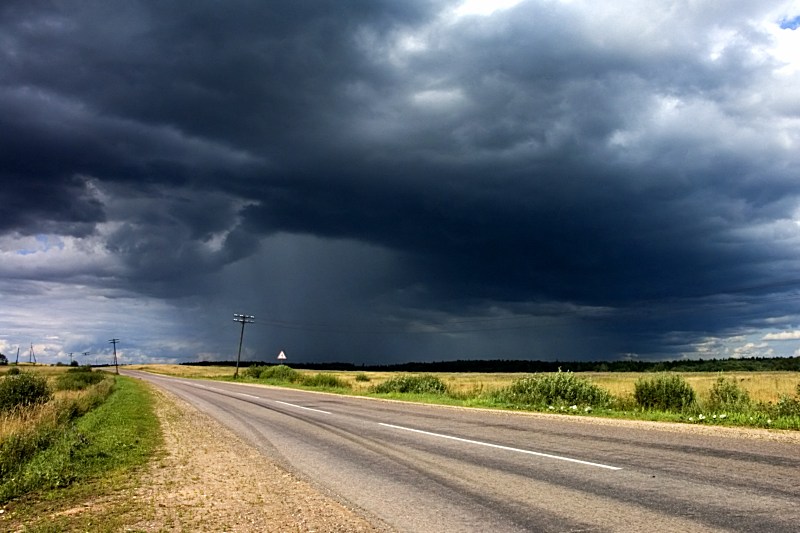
(782, 336)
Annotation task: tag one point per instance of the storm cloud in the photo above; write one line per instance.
(383, 181)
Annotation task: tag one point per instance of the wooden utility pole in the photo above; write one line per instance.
(116, 365)
(244, 319)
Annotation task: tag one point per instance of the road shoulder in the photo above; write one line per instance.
(211, 480)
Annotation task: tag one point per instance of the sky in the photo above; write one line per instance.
(382, 181)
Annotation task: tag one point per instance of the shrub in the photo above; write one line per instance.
(362, 377)
(727, 395)
(788, 405)
(424, 384)
(254, 371)
(13, 371)
(327, 381)
(562, 388)
(23, 389)
(280, 373)
(665, 392)
(78, 379)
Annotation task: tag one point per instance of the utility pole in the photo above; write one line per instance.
(17, 361)
(114, 342)
(244, 319)
(86, 355)
(32, 356)
(70, 358)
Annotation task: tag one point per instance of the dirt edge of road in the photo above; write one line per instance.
(211, 480)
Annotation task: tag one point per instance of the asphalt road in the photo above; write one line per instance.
(427, 468)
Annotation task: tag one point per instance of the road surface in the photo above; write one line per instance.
(429, 468)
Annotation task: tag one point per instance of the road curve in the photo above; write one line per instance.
(429, 468)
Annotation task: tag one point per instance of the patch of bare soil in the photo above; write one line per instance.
(211, 480)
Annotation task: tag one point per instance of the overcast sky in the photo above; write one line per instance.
(388, 181)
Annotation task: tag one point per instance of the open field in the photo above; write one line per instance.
(761, 386)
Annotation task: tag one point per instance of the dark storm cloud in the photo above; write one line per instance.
(546, 158)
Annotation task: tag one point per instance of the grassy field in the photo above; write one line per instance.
(772, 398)
(761, 386)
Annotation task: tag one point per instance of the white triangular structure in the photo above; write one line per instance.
(281, 355)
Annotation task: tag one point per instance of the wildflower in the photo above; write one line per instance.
(587, 409)
(701, 417)
(550, 407)
(714, 417)
(723, 415)
(573, 407)
(691, 419)
(769, 421)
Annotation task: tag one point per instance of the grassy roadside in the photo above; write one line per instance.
(745, 399)
(69, 486)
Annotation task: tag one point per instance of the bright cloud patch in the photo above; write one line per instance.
(783, 336)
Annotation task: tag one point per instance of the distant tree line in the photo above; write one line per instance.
(752, 364)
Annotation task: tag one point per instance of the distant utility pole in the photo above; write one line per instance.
(114, 342)
(244, 319)
(17, 361)
(86, 355)
(32, 356)
(70, 358)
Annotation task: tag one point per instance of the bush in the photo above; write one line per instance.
(78, 379)
(424, 384)
(13, 371)
(326, 381)
(362, 377)
(562, 388)
(665, 392)
(254, 371)
(23, 389)
(788, 405)
(727, 395)
(280, 373)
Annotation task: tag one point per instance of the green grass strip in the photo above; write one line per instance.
(120, 434)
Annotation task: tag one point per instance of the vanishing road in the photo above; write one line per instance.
(427, 468)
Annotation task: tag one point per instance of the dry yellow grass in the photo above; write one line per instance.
(185, 371)
(21, 420)
(761, 386)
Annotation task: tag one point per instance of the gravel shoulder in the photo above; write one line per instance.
(210, 480)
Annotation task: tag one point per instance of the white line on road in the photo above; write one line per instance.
(248, 395)
(301, 407)
(500, 447)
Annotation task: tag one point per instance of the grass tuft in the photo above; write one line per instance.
(665, 392)
(324, 381)
(422, 384)
(556, 390)
(727, 396)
